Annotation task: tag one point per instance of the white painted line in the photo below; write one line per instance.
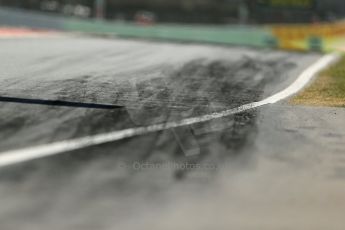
(22, 155)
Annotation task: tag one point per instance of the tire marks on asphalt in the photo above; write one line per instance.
(28, 154)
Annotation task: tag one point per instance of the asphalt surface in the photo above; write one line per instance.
(223, 173)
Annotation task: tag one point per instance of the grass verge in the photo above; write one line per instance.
(327, 90)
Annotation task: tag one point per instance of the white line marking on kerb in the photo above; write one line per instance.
(22, 155)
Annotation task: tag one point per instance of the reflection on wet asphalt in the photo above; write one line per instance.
(103, 187)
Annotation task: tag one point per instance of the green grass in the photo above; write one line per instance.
(327, 90)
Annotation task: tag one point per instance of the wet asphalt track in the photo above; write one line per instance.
(61, 88)
(146, 83)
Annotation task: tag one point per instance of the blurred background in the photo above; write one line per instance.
(191, 11)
